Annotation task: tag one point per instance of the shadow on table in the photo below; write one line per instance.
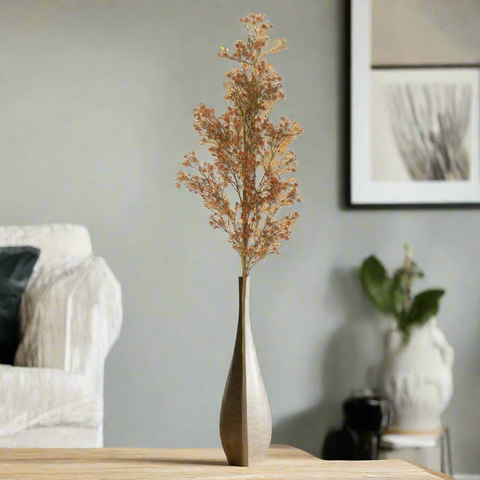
(350, 361)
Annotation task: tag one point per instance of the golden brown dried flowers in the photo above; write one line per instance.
(250, 153)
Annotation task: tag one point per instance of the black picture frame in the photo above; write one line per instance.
(350, 77)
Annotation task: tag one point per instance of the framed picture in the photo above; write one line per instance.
(414, 104)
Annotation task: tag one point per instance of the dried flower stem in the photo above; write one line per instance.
(242, 141)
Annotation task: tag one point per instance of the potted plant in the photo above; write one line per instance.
(250, 156)
(417, 366)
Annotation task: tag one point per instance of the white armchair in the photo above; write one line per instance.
(70, 318)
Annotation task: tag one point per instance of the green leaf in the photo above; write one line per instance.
(376, 284)
(425, 305)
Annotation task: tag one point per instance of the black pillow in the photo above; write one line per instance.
(16, 267)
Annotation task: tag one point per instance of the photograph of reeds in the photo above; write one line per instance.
(423, 125)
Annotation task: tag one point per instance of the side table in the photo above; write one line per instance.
(433, 451)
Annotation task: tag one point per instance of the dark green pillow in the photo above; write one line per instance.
(16, 267)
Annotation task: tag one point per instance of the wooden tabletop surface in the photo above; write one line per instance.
(282, 462)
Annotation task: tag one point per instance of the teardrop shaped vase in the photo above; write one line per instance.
(245, 418)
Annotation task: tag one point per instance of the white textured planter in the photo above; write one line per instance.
(417, 377)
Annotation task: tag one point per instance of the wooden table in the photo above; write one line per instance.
(282, 462)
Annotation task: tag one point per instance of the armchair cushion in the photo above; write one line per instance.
(72, 317)
(16, 267)
(44, 397)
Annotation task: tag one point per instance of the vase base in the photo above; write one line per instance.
(251, 463)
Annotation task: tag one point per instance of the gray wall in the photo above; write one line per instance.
(96, 102)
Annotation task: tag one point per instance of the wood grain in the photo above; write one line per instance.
(435, 474)
(282, 462)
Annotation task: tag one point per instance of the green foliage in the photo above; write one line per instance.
(392, 295)
(425, 305)
(376, 284)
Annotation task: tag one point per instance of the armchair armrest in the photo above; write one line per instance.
(73, 321)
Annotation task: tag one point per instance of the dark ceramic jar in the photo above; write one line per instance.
(367, 415)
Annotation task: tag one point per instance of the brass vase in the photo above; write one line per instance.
(245, 418)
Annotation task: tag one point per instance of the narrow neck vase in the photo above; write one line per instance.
(245, 418)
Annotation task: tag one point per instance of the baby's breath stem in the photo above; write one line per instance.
(242, 141)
